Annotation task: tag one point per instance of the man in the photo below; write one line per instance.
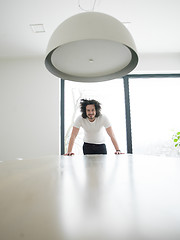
(92, 121)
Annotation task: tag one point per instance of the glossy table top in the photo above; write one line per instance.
(96, 197)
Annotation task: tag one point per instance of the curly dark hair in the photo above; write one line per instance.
(85, 102)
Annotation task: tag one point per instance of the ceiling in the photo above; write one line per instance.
(154, 25)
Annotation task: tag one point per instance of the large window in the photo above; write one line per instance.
(155, 114)
(111, 95)
(151, 117)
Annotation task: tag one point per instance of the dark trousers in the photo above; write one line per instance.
(91, 148)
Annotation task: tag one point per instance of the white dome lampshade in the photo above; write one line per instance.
(91, 47)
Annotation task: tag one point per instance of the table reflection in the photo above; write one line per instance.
(97, 197)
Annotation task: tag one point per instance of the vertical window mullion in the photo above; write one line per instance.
(128, 115)
(62, 115)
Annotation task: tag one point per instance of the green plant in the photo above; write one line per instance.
(176, 139)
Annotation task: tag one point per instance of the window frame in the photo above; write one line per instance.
(127, 106)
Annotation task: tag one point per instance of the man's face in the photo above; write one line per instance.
(91, 112)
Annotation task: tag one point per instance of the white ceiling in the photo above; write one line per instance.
(154, 24)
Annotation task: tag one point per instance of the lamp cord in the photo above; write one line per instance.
(94, 5)
(79, 5)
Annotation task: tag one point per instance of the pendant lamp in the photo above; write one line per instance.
(91, 47)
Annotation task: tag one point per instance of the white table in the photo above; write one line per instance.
(97, 197)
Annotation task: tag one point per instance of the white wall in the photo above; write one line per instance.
(29, 109)
(158, 63)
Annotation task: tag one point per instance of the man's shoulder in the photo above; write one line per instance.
(78, 122)
(102, 116)
(103, 119)
(80, 118)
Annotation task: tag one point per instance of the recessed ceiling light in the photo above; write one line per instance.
(37, 28)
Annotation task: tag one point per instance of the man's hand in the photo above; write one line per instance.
(69, 154)
(118, 152)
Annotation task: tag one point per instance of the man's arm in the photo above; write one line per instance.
(74, 134)
(113, 139)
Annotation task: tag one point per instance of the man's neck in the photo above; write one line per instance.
(91, 119)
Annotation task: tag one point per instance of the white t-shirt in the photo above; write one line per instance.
(93, 131)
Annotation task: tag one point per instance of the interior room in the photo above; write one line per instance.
(30, 93)
(38, 108)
